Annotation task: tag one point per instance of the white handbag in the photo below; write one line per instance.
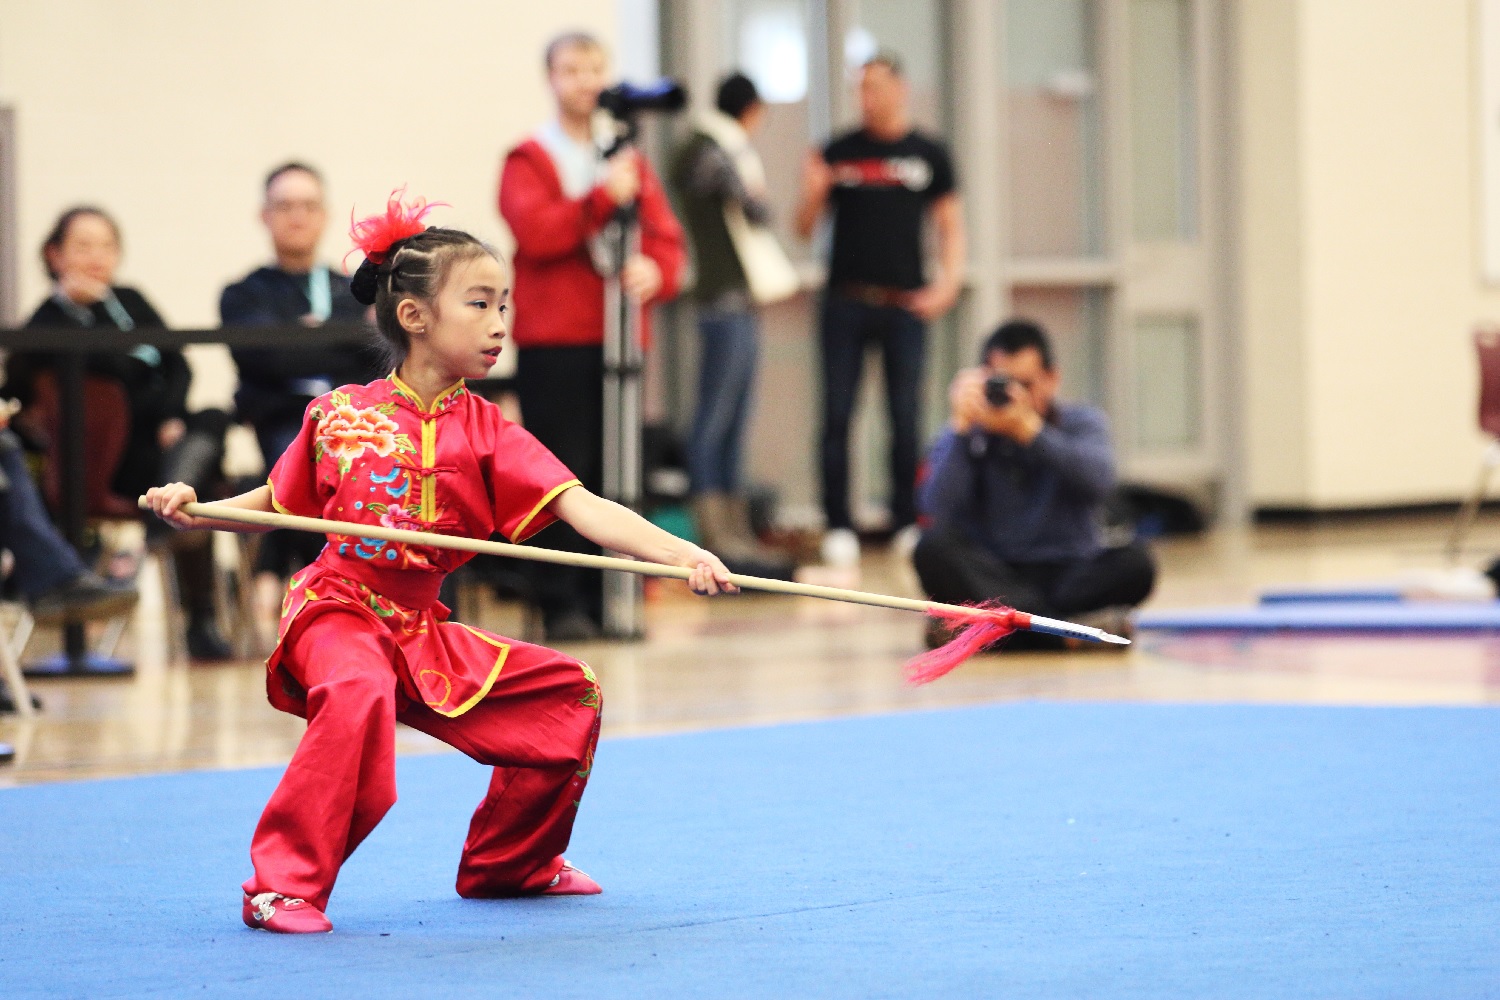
(768, 271)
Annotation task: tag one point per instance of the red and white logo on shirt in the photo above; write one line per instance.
(910, 172)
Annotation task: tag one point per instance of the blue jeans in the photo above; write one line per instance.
(730, 343)
(848, 328)
(44, 559)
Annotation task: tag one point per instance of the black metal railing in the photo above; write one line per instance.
(71, 344)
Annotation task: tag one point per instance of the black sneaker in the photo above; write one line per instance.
(84, 598)
(204, 642)
(8, 702)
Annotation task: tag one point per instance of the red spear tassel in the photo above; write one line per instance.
(972, 633)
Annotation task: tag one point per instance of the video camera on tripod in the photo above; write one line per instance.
(626, 102)
(624, 358)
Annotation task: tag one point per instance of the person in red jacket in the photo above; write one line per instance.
(557, 194)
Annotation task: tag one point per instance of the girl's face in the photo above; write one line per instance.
(461, 331)
(89, 248)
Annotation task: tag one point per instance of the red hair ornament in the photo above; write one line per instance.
(374, 236)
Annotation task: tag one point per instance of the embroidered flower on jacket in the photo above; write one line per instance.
(400, 556)
(347, 431)
(397, 516)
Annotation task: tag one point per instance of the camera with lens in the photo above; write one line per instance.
(626, 102)
(997, 390)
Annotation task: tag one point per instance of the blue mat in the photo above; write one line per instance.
(1334, 595)
(1332, 616)
(1022, 850)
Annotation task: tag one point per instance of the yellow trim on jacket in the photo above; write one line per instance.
(552, 494)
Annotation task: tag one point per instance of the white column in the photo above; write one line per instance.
(977, 74)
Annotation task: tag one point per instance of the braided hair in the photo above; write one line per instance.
(405, 259)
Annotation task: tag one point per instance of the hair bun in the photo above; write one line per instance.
(365, 282)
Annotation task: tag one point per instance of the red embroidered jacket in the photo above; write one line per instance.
(376, 454)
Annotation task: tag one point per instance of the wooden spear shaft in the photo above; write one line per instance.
(323, 526)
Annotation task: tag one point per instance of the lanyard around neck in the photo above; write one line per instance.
(84, 316)
(117, 313)
(319, 292)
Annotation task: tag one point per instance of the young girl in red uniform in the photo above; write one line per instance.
(364, 641)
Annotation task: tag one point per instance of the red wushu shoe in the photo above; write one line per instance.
(571, 882)
(271, 911)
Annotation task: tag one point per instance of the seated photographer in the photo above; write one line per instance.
(1014, 493)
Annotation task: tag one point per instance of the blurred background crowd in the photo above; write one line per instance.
(1010, 287)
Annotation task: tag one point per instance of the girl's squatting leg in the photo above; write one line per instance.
(538, 726)
(342, 779)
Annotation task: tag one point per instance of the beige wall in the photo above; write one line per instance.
(1359, 274)
(169, 113)
(1360, 280)
(1271, 252)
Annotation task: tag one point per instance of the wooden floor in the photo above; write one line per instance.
(758, 659)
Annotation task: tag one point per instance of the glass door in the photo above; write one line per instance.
(1108, 219)
(1172, 331)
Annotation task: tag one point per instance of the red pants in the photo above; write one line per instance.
(538, 726)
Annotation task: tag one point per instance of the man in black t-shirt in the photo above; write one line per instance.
(883, 182)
